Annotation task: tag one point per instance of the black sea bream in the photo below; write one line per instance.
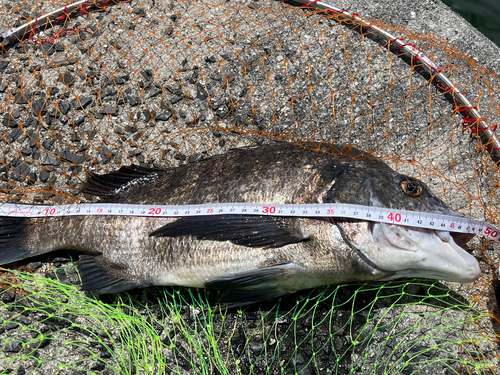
(251, 258)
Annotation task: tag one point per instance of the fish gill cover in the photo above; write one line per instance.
(160, 83)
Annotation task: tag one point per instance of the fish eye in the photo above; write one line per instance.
(411, 187)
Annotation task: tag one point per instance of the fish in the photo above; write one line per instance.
(249, 258)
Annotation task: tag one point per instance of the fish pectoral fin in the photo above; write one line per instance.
(246, 230)
(252, 286)
(97, 277)
(104, 185)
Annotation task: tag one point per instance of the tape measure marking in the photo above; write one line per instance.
(378, 214)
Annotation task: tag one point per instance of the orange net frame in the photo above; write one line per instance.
(163, 84)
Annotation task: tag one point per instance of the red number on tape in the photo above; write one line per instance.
(396, 218)
(491, 232)
(50, 211)
(268, 210)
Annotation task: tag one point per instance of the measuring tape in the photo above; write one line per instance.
(378, 214)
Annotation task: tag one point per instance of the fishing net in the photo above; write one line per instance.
(396, 328)
(162, 84)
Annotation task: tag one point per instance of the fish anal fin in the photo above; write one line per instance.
(104, 185)
(252, 286)
(245, 230)
(97, 277)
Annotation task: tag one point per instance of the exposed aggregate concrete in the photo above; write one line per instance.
(161, 84)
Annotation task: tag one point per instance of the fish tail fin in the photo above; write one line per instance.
(12, 239)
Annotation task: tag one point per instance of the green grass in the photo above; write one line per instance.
(397, 327)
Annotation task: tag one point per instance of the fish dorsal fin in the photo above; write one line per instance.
(105, 185)
(97, 277)
(246, 230)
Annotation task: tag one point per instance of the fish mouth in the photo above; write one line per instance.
(409, 252)
(422, 252)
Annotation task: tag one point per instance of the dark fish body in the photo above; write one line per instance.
(251, 257)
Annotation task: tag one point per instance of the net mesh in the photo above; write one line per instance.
(395, 328)
(162, 84)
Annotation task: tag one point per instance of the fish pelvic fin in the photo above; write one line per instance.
(97, 277)
(252, 286)
(105, 185)
(12, 236)
(246, 230)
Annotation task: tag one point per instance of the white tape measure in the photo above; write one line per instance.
(383, 215)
